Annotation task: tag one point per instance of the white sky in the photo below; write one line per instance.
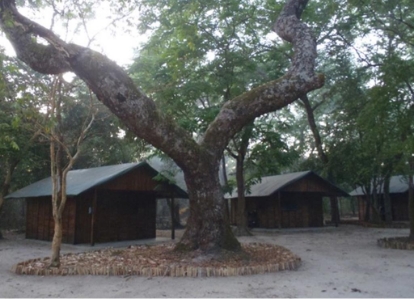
(112, 42)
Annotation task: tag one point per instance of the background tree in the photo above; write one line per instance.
(19, 110)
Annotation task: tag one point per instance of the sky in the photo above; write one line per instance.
(112, 42)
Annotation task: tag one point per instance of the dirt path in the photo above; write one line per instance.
(337, 262)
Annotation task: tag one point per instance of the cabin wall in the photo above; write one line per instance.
(362, 206)
(311, 184)
(136, 180)
(40, 223)
(291, 210)
(125, 215)
(84, 217)
(399, 207)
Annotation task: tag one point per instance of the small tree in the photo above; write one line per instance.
(62, 158)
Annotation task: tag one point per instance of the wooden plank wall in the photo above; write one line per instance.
(399, 207)
(312, 184)
(39, 219)
(125, 215)
(137, 180)
(83, 217)
(362, 205)
(297, 210)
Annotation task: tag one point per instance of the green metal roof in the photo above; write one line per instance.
(398, 184)
(271, 184)
(79, 181)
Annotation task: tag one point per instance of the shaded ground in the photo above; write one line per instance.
(336, 262)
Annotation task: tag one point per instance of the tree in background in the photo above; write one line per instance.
(19, 111)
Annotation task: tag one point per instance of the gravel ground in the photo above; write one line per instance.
(337, 262)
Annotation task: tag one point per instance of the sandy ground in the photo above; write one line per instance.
(337, 262)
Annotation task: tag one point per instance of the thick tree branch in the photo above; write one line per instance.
(111, 84)
(299, 80)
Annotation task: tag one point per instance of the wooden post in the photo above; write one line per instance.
(172, 217)
(93, 218)
(280, 210)
(334, 210)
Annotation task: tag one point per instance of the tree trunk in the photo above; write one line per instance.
(335, 218)
(242, 229)
(174, 212)
(172, 206)
(387, 200)
(226, 183)
(367, 216)
(11, 166)
(411, 206)
(353, 203)
(207, 228)
(334, 210)
(57, 241)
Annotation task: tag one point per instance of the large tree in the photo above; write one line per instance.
(208, 228)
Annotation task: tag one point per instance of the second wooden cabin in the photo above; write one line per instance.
(398, 192)
(286, 201)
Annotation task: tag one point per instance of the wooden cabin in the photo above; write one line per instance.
(286, 201)
(105, 204)
(398, 195)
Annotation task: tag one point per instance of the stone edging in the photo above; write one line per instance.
(395, 243)
(174, 271)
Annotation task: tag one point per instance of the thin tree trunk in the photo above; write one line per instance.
(387, 200)
(11, 166)
(367, 216)
(411, 205)
(172, 208)
(335, 218)
(57, 241)
(242, 229)
(334, 210)
(226, 183)
(353, 200)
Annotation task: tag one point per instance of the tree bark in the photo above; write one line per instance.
(56, 242)
(367, 216)
(335, 218)
(6, 182)
(242, 225)
(207, 226)
(411, 203)
(11, 166)
(174, 211)
(387, 200)
(226, 183)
